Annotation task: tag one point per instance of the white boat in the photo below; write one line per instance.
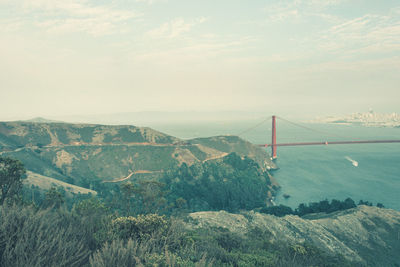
(355, 163)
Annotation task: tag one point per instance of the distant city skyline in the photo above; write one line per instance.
(298, 57)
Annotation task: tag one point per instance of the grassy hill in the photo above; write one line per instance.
(44, 182)
(84, 154)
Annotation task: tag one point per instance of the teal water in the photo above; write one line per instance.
(313, 173)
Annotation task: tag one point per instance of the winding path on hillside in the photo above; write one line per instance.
(216, 157)
(130, 175)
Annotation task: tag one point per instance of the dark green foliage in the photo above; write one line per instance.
(119, 253)
(325, 206)
(87, 133)
(125, 135)
(279, 211)
(132, 253)
(366, 203)
(140, 227)
(128, 191)
(146, 196)
(11, 173)
(95, 221)
(151, 193)
(148, 240)
(231, 183)
(54, 198)
(40, 238)
(312, 207)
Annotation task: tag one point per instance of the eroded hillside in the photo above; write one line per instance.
(83, 154)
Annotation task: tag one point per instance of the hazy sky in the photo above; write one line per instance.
(63, 57)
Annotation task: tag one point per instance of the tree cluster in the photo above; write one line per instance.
(231, 184)
(316, 207)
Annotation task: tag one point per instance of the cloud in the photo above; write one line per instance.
(295, 9)
(367, 34)
(10, 25)
(66, 16)
(150, 2)
(174, 28)
(195, 52)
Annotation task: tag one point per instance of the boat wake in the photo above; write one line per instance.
(355, 163)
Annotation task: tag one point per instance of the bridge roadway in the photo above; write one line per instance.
(334, 143)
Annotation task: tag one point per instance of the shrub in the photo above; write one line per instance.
(131, 253)
(40, 238)
(11, 173)
(142, 226)
(95, 220)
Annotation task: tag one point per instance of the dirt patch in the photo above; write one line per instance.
(97, 151)
(64, 158)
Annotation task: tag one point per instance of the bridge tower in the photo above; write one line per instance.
(273, 143)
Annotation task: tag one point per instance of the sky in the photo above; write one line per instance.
(304, 57)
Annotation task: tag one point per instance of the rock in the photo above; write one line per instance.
(367, 235)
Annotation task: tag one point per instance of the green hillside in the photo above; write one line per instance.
(21, 133)
(46, 183)
(87, 154)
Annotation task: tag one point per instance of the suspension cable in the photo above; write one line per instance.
(310, 129)
(253, 127)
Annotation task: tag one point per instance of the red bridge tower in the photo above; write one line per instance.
(273, 144)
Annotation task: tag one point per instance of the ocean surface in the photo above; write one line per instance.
(313, 173)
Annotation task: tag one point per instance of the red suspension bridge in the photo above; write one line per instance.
(274, 145)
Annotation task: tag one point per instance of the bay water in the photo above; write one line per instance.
(313, 173)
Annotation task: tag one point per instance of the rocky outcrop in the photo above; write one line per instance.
(368, 235)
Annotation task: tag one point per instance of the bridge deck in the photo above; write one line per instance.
(334, 143)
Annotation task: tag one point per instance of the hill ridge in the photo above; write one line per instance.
(83, 154)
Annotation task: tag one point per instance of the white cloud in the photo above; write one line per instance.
(10, 25)
(366, 34)
(195, 52)
(174, 28)
(295, 9)
(150, 2)
(61, 16)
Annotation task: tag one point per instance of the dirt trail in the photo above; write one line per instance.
(130, 175)
(216, 157)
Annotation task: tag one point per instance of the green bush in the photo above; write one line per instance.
(142, 226)
(95, 220)
(131, 253)
(40, 238)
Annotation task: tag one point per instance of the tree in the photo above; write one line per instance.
(152, 195)
(128, 192)
(12, 172)
(279, 211)
(53, 199)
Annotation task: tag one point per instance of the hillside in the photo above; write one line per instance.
(88, 154)
(367, 235)
(45, 183)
